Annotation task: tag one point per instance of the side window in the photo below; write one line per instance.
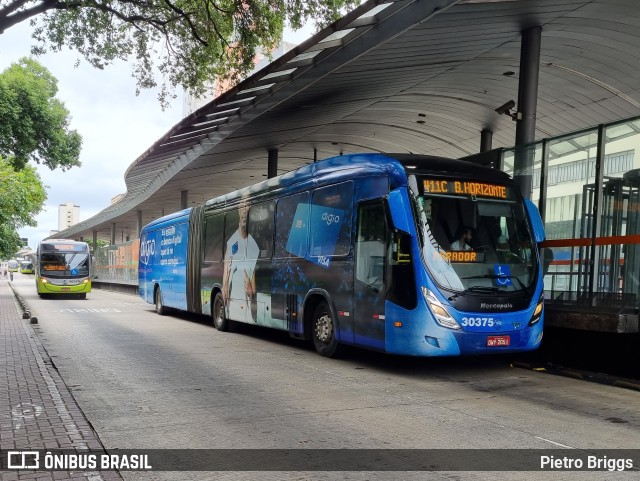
(331, 209)
(214, 230)
(292, 226)
(232, 246)
(370, 245)
(260, 227)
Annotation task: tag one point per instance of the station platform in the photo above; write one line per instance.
(37, 410)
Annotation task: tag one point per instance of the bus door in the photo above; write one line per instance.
(370, 273)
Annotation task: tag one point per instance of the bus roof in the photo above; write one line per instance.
(168, 218)
(392, 164)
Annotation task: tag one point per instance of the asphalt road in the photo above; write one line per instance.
(152, 382)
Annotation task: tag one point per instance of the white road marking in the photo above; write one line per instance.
(553, 442)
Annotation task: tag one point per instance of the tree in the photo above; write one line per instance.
(22, 196)
(34, 125)
(188, 42)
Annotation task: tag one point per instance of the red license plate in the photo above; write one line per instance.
(495, 341)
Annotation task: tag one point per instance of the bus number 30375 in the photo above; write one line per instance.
(478, 322)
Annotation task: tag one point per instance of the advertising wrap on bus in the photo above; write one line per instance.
(405, 254)
(162, 261)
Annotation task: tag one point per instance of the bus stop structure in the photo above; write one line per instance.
(453, 78)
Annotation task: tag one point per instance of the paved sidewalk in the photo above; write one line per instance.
(37, 410)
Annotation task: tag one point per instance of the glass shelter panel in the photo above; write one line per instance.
(618, 250)
(532, 153)
(592, 251)
(570, 196)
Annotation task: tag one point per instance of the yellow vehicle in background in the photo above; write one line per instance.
(63, 266)
(26, 267)
(13, 265)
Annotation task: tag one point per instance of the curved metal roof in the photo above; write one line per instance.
(419, 76)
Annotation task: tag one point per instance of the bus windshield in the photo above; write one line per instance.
(64, 264)
(475, 237)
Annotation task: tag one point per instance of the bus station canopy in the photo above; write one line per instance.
(418, 76)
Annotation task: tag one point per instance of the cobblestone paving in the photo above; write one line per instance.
(37, 410)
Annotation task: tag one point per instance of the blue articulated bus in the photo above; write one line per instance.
(405, 254)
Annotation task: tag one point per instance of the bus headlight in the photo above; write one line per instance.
(85, 281)
(438, 310)
(43, 280)
(537, 313)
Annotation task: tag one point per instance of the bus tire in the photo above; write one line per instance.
(220, 320)
(323, 331)
(82, 295)
(160, 309)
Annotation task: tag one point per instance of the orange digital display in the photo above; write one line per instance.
(462, 256)
(464, 187)
(54, 268)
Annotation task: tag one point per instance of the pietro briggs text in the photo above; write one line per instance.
(596, 463)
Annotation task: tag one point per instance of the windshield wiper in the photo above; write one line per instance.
(486, 289)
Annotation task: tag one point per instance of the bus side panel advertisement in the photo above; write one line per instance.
(163, 259)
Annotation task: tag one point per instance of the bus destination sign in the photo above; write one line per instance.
(464, 187)
(64, 247)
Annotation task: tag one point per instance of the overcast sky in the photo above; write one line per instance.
(116, 127)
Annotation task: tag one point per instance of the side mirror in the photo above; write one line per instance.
(536, 221)
(400, 209)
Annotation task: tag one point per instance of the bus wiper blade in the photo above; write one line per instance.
(482, 289)
(485, 289)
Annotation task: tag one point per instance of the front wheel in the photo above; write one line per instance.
(324, 331)
(220, 320)
(160, 309)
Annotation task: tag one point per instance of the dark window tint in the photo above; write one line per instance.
(213, 238)
(231, 229)
(331, 209)
(292, 226)
(260, 227)
(371, 245)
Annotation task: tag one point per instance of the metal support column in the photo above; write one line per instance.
(138, 222)
(486, 140)
(527, 102)
(95, 240)
(272, 166)
(594, 258)
(113, 234)
(184, 199)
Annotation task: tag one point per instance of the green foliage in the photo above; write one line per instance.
(34, 125)
(22, 196)
(189, 42)
(10, 242)
(100, 243)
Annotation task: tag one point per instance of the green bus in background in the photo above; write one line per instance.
(63, 267)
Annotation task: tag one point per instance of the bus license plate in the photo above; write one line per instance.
(66, 289)
(495, 341)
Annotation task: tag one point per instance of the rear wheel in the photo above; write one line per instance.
(160, 309)
(220, 320)
(324, 331)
